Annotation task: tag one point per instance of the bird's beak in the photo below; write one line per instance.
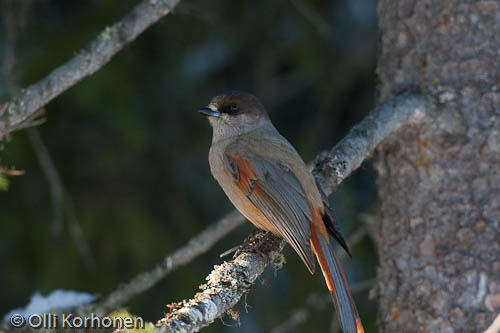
(210, 112)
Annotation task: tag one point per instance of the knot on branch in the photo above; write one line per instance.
(329, 171)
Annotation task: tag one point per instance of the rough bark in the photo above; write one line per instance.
(439, 185)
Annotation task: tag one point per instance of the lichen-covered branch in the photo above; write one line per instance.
(230, 281)
(362, 139)
(225, 286)
(142, 282)
(90, 59)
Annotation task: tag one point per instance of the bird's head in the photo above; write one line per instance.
(234, 113)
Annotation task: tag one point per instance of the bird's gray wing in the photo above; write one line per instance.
(275, 191)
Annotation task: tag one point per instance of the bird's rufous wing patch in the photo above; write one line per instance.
(276, 193)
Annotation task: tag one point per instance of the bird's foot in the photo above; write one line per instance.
(253, 243)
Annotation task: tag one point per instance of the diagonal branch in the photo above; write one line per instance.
(88, 60)
(225, 289)
(62, 203)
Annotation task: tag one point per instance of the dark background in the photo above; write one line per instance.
(132, 151)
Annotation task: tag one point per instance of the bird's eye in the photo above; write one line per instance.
(234, 108)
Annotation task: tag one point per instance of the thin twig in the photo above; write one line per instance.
(12, 14)
(60, 198)
(50, 172)
(88, 60)
(76, 232)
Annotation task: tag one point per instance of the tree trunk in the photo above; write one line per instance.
(439, 185)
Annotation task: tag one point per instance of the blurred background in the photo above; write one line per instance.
(131, 150)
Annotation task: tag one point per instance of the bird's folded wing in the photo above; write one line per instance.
(276, 192)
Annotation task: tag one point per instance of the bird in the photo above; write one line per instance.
(268, 182)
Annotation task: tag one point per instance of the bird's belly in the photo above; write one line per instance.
(247, 208)
(239, 198)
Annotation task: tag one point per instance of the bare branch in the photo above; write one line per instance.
(75, 230)
(142, 282)
(88, 60)
(231, 280)
(50, 171)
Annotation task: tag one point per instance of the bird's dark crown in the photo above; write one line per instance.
(237, 102)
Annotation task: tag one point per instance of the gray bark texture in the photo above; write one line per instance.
(439, 183)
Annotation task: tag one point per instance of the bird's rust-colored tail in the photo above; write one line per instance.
(336, 281)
